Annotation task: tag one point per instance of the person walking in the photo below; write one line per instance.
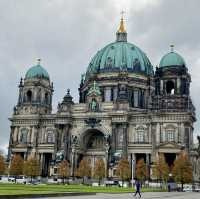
(138, 188)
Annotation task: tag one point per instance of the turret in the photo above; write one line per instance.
(35, 92)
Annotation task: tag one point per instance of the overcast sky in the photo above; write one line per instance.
(65, 34)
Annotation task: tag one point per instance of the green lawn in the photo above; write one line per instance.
(18, 189)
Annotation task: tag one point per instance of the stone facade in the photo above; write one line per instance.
(120, 113)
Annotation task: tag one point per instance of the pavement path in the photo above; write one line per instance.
(147, 195)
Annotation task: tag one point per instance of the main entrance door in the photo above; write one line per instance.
(93, 146)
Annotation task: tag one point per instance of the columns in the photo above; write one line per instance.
(158, 133)
(148, 163)
(66, 140)
(161, 87)
(182, 133)
(113, 138)
(125, 144)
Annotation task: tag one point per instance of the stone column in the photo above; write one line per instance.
(42, 162)
(161, 87)
(125, 144)
(66, 136)
(178, 85)
(182, 133)
(148, 163)
(158, 133)
(113, 138)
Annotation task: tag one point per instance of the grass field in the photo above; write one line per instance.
(19, 189)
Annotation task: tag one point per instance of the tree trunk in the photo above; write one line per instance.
(63, 181)
(99, 181)
(181, 185)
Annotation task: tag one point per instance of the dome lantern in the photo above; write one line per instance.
(121, 34)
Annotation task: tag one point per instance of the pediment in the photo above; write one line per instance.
(170, 145)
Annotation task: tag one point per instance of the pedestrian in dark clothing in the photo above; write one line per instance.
(169, 188)
(138, 187)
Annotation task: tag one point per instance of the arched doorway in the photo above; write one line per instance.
(92, 147)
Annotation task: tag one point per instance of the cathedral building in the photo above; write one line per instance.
(126, 109)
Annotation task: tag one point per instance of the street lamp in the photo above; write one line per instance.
(107, 147)
(132, 171)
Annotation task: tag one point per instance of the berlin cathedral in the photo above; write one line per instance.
(126, 109)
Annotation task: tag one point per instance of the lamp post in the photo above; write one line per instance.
(132, 170)
(107, 147)
(73, 160)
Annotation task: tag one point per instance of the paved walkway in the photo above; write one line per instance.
(152, 195)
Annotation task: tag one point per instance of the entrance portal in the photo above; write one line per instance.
(94, 139)
(140, 156)
(169, 158)
(46, 162)
(93, 147)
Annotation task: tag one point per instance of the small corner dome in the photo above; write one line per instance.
(172, 59)
(37, 71)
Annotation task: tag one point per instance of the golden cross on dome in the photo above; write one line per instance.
(122, 14)
(121, 27)
(38, 61)
(172, 47)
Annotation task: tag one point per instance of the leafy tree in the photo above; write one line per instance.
(2, 165)
(99, 169)
(123, 170)
(84, 169)
(182, 170)
(161, 169)
(16, 166)
(32, 168)
(64, 170)
(141, 170)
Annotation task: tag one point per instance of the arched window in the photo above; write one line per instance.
(46, 98)
(170, 87)
(140, 135)
(170, 134)
(50, 137)
(23, 136)
(29, 96)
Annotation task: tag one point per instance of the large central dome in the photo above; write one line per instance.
(120, 55)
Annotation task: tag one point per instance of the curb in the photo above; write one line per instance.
(46, 195)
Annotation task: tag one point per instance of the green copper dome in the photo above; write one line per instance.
(37, 72)
(172, 59)
(120, 55)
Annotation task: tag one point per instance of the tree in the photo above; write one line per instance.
(84, 169)
(32, 168)
(141, 170)
(16, 166)
(2, 165)
(123, 170)
(182, 170)
(64, 170)
(99, 169)
(161, 169)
